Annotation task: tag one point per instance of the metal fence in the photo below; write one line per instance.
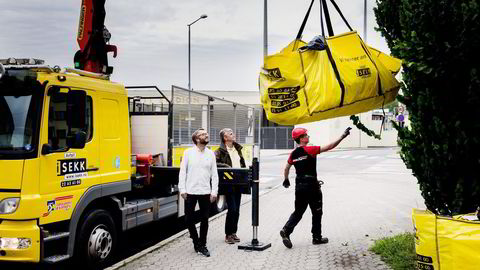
(193, 110)
(277, 138)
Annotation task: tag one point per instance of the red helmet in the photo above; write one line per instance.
(297, 132)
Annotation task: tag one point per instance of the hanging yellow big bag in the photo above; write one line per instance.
(327, 78)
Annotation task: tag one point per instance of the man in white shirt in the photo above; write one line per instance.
(198, 182)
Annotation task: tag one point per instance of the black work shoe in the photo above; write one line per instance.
(286, 239)
(318, 241)
(203, 251)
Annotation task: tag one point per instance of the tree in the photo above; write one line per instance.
(392, 106)
(439, 42)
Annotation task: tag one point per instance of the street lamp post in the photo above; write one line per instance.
(364, 40)
(204, 16)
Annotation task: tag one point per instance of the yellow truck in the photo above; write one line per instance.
(66, 184)
(68, 144)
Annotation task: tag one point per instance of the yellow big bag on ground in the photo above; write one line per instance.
(446, 243)
(346, 77)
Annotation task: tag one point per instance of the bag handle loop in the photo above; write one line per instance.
(323, 4)
(321, 18)
(300, 32)
(324, 10)
(340, 13)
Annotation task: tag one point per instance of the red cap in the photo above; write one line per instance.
(297, 132)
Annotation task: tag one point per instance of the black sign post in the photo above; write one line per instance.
(255, 244)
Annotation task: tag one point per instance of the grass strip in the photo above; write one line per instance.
(397, 251)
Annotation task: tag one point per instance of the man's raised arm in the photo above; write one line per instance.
(335, 143)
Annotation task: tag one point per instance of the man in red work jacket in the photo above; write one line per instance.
(307, 187)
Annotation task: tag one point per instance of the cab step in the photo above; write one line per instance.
(56, 236)
(56, 258)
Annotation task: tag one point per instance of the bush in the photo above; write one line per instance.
(439, 42)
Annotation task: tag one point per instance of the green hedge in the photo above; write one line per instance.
(439, 42)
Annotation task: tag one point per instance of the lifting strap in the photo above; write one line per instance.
(323, 11)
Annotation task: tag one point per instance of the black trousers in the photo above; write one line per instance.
(307, 195)
(204, 204)
(233, 201)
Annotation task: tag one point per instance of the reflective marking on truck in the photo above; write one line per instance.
(229, 175)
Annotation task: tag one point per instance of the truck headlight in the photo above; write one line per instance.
(15, 243)
(9, 205)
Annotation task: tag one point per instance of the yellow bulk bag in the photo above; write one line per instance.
(425, 224)
(446, 243)
(342, 77)
(391, 63)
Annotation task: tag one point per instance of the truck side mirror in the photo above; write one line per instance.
(78, 140)
(76, 113)
(47, 149)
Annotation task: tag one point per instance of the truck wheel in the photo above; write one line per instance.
(97, 239)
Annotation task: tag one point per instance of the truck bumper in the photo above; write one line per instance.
(13, 232)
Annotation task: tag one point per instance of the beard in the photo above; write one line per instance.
(204, 141)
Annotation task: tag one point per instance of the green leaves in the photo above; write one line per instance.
(438, 42)
(362, 127)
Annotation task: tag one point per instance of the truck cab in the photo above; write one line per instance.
(63, 144)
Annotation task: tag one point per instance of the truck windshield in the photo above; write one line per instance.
(19, 118)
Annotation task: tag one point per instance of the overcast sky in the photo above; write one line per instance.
(152, 36)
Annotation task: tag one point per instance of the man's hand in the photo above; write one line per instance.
(286, 183)
(213, 198)
(184, 195)
(346, 132)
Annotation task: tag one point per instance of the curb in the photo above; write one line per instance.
(175, 236)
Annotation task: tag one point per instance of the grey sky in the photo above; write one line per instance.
(152, 36)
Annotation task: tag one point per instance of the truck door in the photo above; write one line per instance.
(65, 173)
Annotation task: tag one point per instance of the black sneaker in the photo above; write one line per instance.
(203, 251)
(286, 239)
(321, 240)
